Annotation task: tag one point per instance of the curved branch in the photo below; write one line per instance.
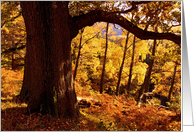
(102, 16)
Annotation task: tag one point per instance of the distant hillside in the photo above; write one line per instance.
(119, 31)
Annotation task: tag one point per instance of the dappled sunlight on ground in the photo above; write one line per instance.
(105, 112)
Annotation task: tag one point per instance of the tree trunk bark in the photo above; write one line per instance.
(13, 57)
(145, 85)
(48, 69)
(131, 66)
(104, 64)
(122, 64)
(147, 80)
(78, 56)
(172, 83)
(142, 88)
(13, 61)
(26, 78)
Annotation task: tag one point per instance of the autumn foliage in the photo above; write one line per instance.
(113, 113)
(131, 67)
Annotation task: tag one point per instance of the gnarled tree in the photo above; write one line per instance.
(50, 27)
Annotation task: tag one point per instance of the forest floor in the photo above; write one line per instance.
(111, 113)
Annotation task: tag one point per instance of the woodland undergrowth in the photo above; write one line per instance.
(114, 112)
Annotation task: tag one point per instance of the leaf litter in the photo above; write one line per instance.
(113, 113)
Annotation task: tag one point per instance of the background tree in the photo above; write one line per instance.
(12, 35)
(149, 70)
(104, 63)
(9, 12)
(131, 66)
(80, 47)
(172, 83)
(122, 64)
(91, 52)
(163, 70)
(79, 52)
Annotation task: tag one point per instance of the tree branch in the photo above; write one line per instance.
(12, 19)
(102, 16)
(13, 49)
(90, 39)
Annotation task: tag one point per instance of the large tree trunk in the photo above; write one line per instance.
(48, 69)
(122, 64)
(27, 77)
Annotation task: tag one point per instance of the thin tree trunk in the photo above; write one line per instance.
(131, 66)
(104, 64)
(172, 83)
(48, 70)
(142, 88)
(147, 80)
(13, 61)
(122, 64)
(79, 52)
(13, 57)
(145, 85)
(78, 56)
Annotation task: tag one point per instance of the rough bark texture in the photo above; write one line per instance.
(49, 55)
(24, 93)
(122, 64)
(104, 64)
